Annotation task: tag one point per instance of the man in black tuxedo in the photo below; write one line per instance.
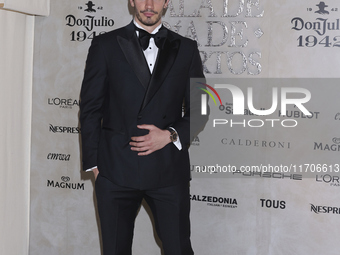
(134, 137)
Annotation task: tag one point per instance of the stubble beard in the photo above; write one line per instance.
(148, 21)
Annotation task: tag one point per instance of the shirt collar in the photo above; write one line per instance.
(153, 32)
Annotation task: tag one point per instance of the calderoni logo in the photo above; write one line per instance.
(324, 209)
(334, 146)
(256, 143)
(215, 201)
(62, 129)
(65, 184)
(64, 103)
(58, 156)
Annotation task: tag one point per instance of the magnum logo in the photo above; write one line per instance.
(65, 184)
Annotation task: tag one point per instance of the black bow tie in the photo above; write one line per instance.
(159, 37)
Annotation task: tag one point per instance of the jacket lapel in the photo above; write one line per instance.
(134, 55)
(165, 60)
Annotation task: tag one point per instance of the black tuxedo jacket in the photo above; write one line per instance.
(118, 93)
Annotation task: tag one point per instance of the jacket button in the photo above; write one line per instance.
(139, 117)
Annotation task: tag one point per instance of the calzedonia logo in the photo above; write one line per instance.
(215, 201)
(65, 183)
(301, 96)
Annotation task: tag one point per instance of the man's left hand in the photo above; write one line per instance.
(147, 144)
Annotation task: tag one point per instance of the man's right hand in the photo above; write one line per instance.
(95, 172)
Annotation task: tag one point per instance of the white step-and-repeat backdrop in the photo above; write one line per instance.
(262, 184)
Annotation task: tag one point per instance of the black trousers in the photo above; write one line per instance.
(118, 206)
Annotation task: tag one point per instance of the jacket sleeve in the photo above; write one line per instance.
(192, 121)
(92, 96)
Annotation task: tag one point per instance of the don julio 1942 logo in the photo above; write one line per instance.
(324, 29)
(88, 24)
